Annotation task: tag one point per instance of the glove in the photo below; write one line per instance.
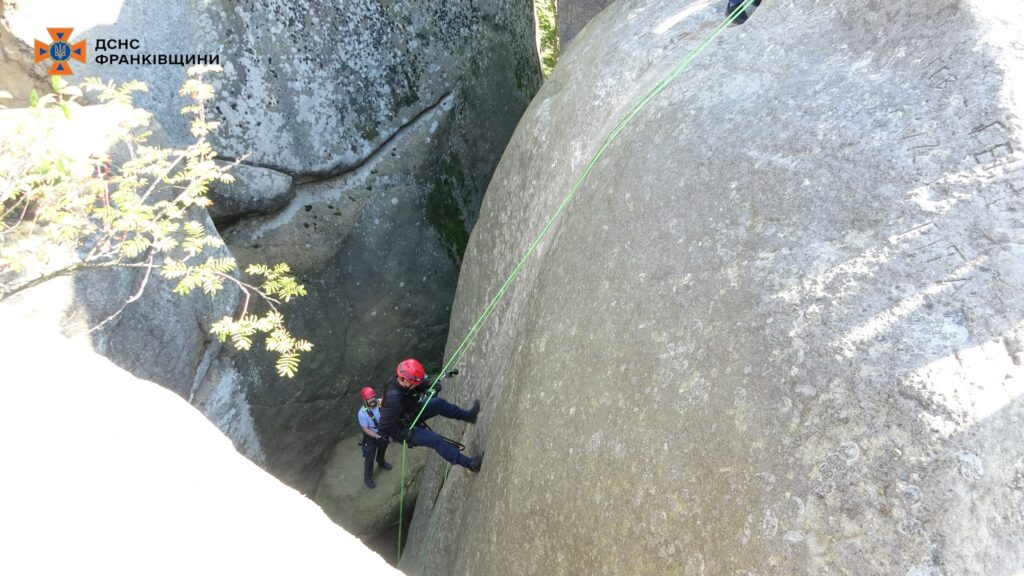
(424, 391)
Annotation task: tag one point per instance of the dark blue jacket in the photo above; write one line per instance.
(400, 407)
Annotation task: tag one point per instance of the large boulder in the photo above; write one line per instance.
(108, 474)
(779, 329)
(362, 511)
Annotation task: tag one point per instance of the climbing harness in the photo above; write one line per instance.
(658, 88)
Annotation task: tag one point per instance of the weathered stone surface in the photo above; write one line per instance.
(358, 509)
(312, 86)
(573, 15)
(17, 76)
(123, 477)
(778, 329)
(254, 191)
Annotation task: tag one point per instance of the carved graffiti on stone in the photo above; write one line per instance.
(939, 75)
(994, 145)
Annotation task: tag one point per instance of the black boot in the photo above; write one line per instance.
(368, 473)
(732, 6)
(385, 465)
(473, 412)
(475, 462)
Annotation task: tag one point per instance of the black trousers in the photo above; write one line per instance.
(372, 448)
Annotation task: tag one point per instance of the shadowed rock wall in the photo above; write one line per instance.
(369, 132)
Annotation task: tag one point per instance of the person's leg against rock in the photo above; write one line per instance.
(439, 406)
(431, 439)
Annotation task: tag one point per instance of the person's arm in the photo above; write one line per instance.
(424, 387)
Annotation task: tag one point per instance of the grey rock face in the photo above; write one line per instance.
(149, 473)
(573, 15)
(778, 330)
(17, 76)
(359, 510)
(378, 235)
(254, 191)
(313, 86)
(388, 118)
(380, 281)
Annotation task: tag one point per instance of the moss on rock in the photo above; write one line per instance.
(445, 213)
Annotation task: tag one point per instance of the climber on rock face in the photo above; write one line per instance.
(405, 397)
(373, 443)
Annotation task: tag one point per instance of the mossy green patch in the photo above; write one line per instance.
(366, 122)
(522, 74)
(369, 132)
(405, 80)
(444, 212)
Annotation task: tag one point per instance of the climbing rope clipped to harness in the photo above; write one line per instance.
(658, 88)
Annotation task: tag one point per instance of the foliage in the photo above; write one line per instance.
(143, 210)
(546, 12)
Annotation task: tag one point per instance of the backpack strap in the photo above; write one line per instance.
(372, 418)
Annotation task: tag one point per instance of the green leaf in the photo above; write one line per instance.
(265, 324)
(257, 270)
(287, 365)
(33, 99)
(133, 247)
(241, 341)
(194, 229)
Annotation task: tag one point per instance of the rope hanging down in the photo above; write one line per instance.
(612, 136)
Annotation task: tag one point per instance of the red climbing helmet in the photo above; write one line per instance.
(367, 393)
(411, 370)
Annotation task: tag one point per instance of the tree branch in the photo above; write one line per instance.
(40, 280)
(138, 294)
(65, 272)
(245, 287)
(166, 173)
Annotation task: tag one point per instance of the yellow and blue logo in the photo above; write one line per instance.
(60, 50)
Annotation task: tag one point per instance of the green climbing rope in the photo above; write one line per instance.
(659, 87)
